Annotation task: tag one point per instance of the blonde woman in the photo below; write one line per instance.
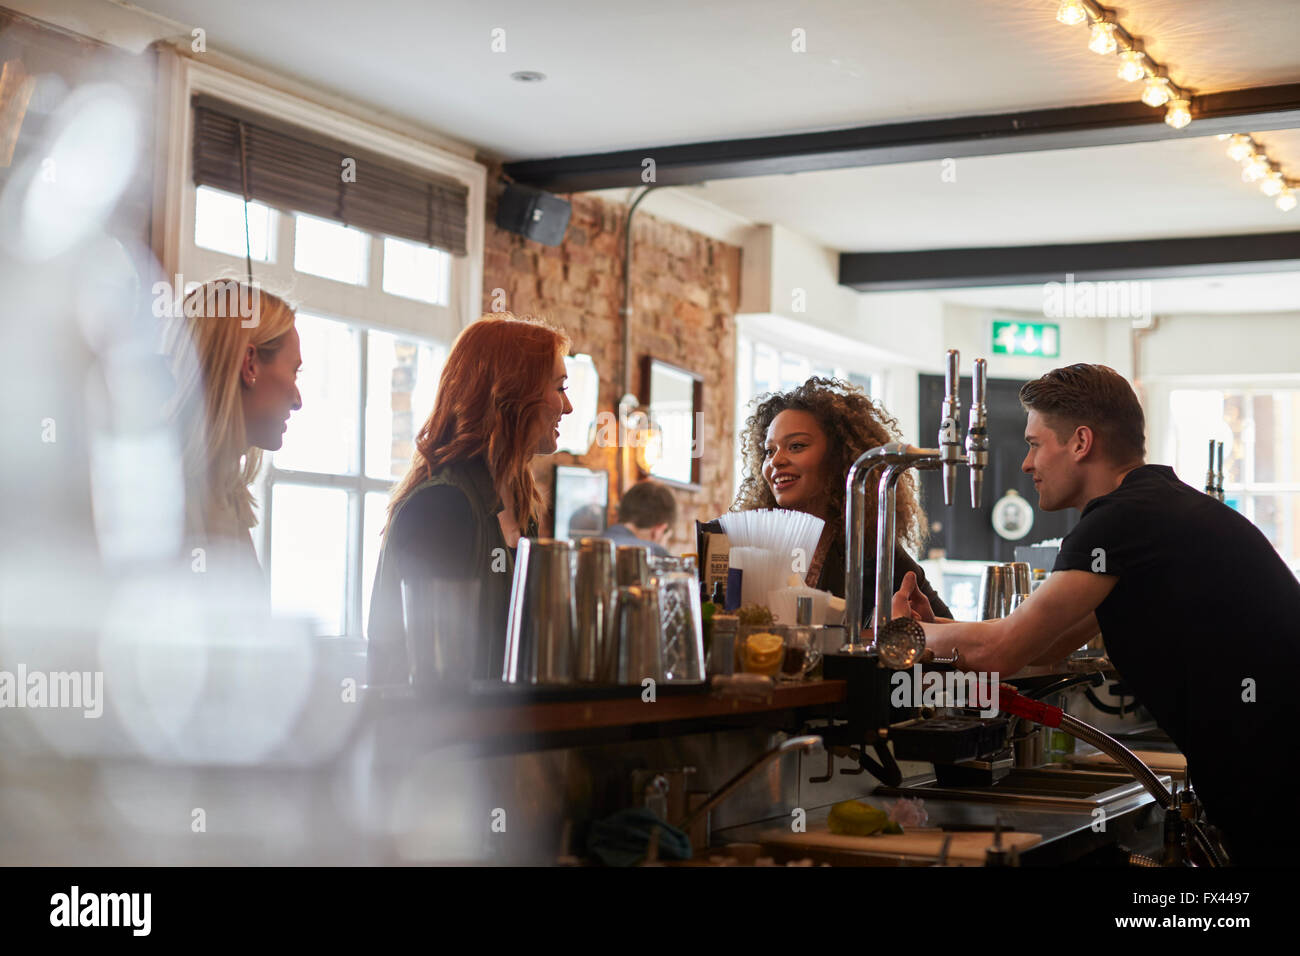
(235, 357)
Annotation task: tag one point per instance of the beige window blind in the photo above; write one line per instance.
(263, 159)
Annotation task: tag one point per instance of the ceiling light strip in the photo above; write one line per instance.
(1257, 167)
(1107, 36)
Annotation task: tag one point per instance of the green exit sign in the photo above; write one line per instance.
(1041, 339)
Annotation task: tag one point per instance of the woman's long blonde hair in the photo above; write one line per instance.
(206, 345)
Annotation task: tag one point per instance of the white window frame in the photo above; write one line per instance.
(357, 485)
(173, 224)
(362, 308)
(1160, 422)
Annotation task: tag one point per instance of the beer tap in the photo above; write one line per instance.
(977, 435)
(895, 459)
(1211, 488)
(1218, 487)
(949, 428)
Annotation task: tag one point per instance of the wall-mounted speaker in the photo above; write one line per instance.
(533, 214)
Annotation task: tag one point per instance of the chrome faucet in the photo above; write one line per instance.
(727, 789)
(896, 458)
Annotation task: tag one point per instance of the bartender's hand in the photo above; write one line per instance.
(910, 601)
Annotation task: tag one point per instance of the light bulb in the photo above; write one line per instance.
(1256, 168)
(1157, 92)
(1130, 67)
(1179, 114)
(1103, 38)
(1071, 12)
(1239, 147)
(1273, 184)
(1285, 200)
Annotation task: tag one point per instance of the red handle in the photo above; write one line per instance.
(1012, 702)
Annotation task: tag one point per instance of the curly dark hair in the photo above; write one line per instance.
(853, 423)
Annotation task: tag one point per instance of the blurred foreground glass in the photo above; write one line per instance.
(439, 618)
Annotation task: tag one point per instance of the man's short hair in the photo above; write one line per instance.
(1092, 395)
(647, 504)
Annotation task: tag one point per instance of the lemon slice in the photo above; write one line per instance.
(855, 818)
(764, 645)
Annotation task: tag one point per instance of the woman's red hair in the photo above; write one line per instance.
(491, 397)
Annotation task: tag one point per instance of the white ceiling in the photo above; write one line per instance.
(1236, 295)
(1159, 190)
(628, 74)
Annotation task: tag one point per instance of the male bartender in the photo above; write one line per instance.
(1199, 613)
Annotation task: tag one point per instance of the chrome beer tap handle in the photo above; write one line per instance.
(977, 436)
(1218, 487)
(1211, 487)
(949, 430)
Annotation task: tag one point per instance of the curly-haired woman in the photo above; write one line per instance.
(798, 446)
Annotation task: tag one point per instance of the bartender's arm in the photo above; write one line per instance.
(1058, 613)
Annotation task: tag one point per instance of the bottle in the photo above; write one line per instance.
(708, 608)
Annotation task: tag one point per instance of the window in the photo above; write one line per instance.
(415, 271)
(325, 493)
(377, 313)
(1261, 463)
(330, 249)
(366, 390)
(219, 225)
(763, 367)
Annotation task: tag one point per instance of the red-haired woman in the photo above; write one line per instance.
(455, 518)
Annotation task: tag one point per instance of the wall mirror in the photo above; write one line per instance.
(674, 397)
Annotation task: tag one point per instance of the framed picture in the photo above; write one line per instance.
(675, 399)
(581, 501)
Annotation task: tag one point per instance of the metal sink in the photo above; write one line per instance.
(1047, 787)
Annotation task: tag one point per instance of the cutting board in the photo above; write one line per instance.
(967, 847)
(1158, 760)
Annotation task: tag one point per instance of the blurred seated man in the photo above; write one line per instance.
(646, 514)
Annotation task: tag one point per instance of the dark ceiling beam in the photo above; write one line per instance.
(1070, 127)
(1093, 262)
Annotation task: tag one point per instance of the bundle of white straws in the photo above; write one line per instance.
(770, 545)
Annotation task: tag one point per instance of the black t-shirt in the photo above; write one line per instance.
(1204, 624)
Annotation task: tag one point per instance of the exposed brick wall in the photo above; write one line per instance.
(685, 291)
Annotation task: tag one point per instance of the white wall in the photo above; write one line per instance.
(1264, 344)
(970, 330)
(1206, 351)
